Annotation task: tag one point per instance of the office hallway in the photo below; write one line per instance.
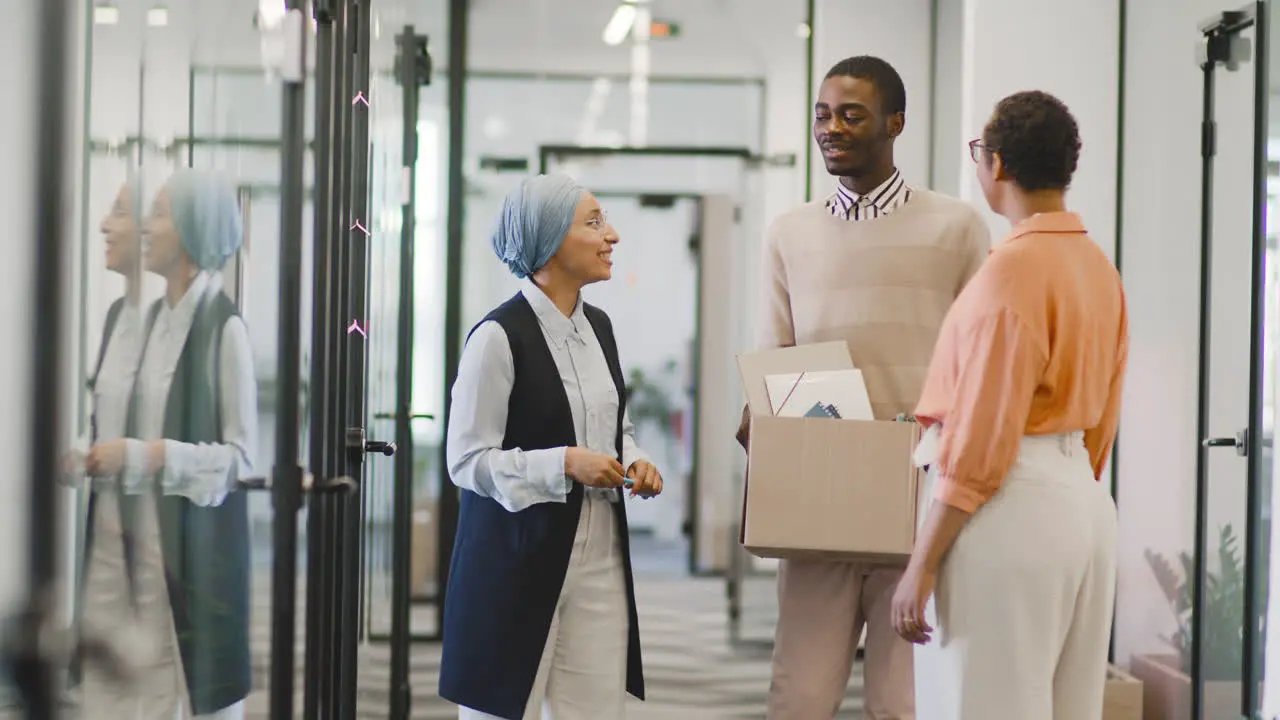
(692, 670)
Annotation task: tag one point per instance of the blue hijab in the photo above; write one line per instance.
(206, 213)
(535, 218)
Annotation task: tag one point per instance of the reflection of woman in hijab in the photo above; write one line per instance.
(192, 425)
(104, 604)
(540, 609)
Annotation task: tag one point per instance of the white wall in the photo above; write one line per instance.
(948, 130)
(1000, 57)
(17, 50)
(843, 28)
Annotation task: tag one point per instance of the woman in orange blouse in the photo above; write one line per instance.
(1021, 403)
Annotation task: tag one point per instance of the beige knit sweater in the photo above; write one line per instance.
(882, 285)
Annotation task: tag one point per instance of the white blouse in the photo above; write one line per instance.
(519, 478)
(204, 473)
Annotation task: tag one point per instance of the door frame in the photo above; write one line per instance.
(548, 153)
(1217, 34)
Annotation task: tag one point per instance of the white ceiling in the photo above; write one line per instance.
(733, 38)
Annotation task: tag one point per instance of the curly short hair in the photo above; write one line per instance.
(893, 94)
(1037, 139)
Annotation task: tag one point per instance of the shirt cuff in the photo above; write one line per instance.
(135, 466)
(546, 471)
(961, 497)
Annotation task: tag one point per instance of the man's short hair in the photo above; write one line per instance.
(893, 94)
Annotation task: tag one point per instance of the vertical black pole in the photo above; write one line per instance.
(459, 20)
(1256, 532)
(1198, 598)
(322, 321)
(402, 510)
(357, 224)
(51, 110)
(1123, 7)
(287, 481)
(811, 15)
(332, 525)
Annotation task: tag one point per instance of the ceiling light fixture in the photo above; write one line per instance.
(620, 25)
(158, 16)
(105, 14)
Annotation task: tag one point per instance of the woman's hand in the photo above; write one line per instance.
(592, 469)
(105, 459)
(909, 601)
(646, 481)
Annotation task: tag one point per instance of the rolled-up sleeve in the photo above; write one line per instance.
(516, 479)
(998, 363)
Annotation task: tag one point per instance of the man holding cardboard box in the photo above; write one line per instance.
(875, 265)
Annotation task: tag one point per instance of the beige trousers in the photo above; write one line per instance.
(823, 607)
(583, 672)
(1023, 606)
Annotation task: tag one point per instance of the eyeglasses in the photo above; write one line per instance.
(975, 146)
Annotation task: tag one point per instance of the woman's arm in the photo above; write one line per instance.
(515, 478)
(999, 364)
(205, 473)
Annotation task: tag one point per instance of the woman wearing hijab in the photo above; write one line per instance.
(1018, 548)
(540, 613)
(104, 605)
(190, 432)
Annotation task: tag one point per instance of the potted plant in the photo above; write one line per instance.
(1166, 677)
(648, 403)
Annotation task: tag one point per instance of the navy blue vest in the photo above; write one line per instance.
(508, 569)
(206, 549)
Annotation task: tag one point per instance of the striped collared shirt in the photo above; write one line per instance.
(891, 195)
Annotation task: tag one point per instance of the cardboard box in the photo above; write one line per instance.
(845, 489)
(1122, 699)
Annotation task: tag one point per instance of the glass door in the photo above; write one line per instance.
(1222, 640)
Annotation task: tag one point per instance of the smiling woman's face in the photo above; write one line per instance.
(120, 234)
(586, 255)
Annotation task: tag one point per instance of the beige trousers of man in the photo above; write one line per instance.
(583, 672)
(1022, 610)
(823, 607)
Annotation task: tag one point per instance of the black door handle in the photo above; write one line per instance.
(377, 446)
(1240, 442)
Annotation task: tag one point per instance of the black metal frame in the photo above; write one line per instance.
(1218, 34)
(447, 510)
(561, 152)
(287, 485)
(1123, 45)
(412, 49)
(335, 520)
(811, 13)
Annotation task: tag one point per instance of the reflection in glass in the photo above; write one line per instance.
(168, 543)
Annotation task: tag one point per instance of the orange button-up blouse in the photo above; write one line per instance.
(1036, 344)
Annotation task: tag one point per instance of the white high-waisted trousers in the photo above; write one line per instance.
(1024, 600)
(583, 672)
